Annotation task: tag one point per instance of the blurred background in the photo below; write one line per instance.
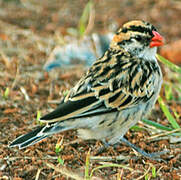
(31, 29)
(45, 48)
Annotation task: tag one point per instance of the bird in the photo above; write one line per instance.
(118, 90)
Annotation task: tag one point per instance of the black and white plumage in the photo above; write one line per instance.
(119, 89)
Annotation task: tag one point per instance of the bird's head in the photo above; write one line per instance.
(139, 38)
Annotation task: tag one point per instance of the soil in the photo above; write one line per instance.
(29, 30)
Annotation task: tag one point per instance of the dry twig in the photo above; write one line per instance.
(65, 172)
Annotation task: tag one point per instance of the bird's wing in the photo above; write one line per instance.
(107, 88)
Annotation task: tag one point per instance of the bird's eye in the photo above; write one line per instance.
(138, 38)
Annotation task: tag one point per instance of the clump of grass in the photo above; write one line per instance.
(58, 149)
(149, 175)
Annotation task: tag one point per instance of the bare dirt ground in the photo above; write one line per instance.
(28, 33)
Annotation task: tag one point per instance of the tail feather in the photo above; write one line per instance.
(31, 141)
(36, 135)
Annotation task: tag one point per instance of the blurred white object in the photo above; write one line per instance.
(84, 51)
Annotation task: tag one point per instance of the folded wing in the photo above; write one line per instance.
(106, 89)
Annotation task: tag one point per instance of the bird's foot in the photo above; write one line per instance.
(153, 156)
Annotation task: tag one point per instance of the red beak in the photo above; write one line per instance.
(157, 40)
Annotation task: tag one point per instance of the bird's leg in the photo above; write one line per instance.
(102, 148)
(153, 156)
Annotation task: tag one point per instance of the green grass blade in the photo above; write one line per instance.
(167, 113)
(87, 166)
(85, 17)
(153, 172)
(6, 93)
(60, 161)
(137, 128)
(157, 125)
(168, 92)
(169, 64)
(38, 116)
